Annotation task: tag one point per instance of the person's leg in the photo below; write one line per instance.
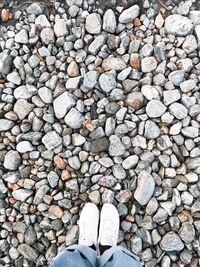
(74, 256)
(118, 257)
(84, 254)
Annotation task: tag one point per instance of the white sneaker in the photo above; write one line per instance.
(88, 225)
(109, 225)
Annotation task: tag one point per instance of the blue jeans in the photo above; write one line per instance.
(83, 256)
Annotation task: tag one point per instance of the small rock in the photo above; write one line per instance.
(72, 235)
(22, 108)
(135, 61)
(159, 21)
(63, 103)
(24, 146)
(6, 125)
(14, 77)
(22, 194)
(130, 162)
(73, 69)
(176, 77)
(22, 37)
(5, 63)
(35, 8)
(178, 110)
(99, 145)
(107, 82)
(109, 21)
(152, 131)
(47, 36)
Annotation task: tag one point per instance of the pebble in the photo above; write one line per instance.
(128, 15)
(22, 194)
(148, 64)
(116, 148)
(51, 140)
(21, 37)
(176, 77)
(28, 252)
(6, 125)
(152, 131)
(135, 100)
(171, 242)
(145, 188)
(178, 110)
(113, 63)
(109, 21)
(74, 119)
(47, 36)
(63, 103)
(107, 82)
(155, 108)
(24, 146)
(93, 23)
(60, 28)
(12, 160)
(5, 63)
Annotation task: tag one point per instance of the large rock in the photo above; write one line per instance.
(129, 14)
(171, 242)
(145, 188)
(62, 104)
(178, 25)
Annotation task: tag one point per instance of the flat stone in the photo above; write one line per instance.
(60, 28)
(28, 252)
(171, 96)
(145, 188)
(130, 162)
(148, 64)
(22, 194)
(73, 69)
(46, 95)
(14, 77)
(93, 23)
(135, 100)
(109, 21)
(47, 36)
(107, 82)
(12, 160)
(116, 147)
(72, 235)
(113, 63)
(155, 108)
(96, 45)
(178, 25)
(128, 15)
(51, 140)
(22, 108)
(5, 125)
(176, 77)
(74, 119)
(5, 63)
(171, 242)
(63, 103)
(124, 196)
(42, 21)
(35, 8)
(99, 145)
(24, 146)
(187, 86)
(22, 37)
(152, 131)
(178, 110)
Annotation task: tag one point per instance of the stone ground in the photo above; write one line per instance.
(100, 102)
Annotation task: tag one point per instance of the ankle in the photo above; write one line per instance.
(103, 248)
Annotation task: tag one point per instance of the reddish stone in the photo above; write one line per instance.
(65, 175)
(135, 61)
(59, 162)
(56, 210)
(137, 22)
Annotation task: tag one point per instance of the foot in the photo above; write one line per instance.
(109, 226)
(88, 225)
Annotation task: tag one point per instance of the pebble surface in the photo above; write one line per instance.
(103, 105)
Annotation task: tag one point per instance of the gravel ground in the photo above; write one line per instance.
(100, 102)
